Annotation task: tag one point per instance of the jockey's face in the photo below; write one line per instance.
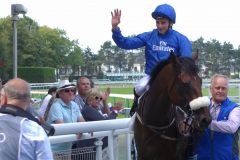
(163, 24)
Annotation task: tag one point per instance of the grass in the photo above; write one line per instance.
(120, 90)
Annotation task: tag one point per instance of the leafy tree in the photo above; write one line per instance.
(89, 67)
(106, 54)
(5, 49)
(119, 59)
(37, 45)
(75, 59)
(227, 58)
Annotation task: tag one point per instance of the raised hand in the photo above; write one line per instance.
(118, 106)
(116, 16)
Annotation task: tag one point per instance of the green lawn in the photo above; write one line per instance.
(122, 90)
(129, 90)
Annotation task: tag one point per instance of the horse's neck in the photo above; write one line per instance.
(158, 100)
(157, 103)
(156, 107)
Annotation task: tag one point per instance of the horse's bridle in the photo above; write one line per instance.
(185, 110)
(187, 121)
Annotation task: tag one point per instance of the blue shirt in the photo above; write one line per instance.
(79, 100)
(68, 113)
(157, 46)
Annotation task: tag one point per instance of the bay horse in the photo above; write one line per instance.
(157, 132)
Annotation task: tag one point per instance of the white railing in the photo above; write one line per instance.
(110, 128)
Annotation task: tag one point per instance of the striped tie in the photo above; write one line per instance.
(214, 111)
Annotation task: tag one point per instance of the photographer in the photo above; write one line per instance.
(21, 135)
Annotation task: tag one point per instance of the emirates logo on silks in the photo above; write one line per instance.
(162, 47)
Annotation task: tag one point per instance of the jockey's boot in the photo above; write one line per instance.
(135, 104)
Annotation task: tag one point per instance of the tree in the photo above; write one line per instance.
(5, 49)
(37, 45)
(119, 59)
(75, 59)
(89, 66)
(106, 54)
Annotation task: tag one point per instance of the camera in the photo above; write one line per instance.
(48, 128)
(18, 9)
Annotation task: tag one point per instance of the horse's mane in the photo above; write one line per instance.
(186, 64)
(156, 70)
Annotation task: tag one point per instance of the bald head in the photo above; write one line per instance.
(16, 92)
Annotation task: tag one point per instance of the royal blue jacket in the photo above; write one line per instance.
(157, 46)
(217, 145)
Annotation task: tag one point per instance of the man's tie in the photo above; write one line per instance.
(214, 110)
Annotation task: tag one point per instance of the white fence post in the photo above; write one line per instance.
(115, 145)
(111, 146)
(98, 143)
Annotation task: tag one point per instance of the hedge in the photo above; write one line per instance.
(37, 74)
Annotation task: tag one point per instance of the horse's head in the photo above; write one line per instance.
(185, 88)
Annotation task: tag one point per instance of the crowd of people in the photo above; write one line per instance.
(22, 134)
(61, 105)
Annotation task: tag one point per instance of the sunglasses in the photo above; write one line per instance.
(69, 90)
(98, 98)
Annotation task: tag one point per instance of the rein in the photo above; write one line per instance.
(157, 129)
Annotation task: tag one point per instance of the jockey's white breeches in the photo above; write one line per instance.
(142, 85)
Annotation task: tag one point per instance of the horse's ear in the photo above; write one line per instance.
(195, 55)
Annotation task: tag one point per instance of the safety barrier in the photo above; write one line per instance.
(100, 129)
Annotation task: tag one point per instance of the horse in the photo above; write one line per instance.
(164, 119)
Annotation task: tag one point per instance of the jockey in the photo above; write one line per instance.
(158, 43)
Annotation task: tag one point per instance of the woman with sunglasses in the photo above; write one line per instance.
(92, 112)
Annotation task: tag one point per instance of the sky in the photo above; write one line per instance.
(89, 21)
